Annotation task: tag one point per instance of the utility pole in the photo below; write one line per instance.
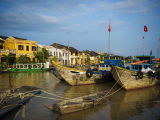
(68, 53)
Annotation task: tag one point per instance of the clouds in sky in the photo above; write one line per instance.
(57, 15)
(75, 17)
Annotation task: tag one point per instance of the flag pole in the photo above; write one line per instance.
(109, 41)
(108, 46)
(143, 34)
(158, 48)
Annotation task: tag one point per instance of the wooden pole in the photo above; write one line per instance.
(68, 52)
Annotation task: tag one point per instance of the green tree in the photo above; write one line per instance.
(129, 59)
(42, 56)
(22, 59)
(8, 59)
(54, 58)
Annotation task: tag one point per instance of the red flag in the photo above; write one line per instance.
(109, 29)
(159, 39)
(151, 52)
(145, 29)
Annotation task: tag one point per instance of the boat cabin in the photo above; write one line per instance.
(107, 64)
(30, 65)
(143, 65)
(138, 67)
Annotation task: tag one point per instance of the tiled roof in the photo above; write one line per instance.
(47, 47)
(3, 37)
(64, 51)
(71, 49)
(19, 38)
(90, 53)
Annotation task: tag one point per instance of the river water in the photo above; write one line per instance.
(140, 104)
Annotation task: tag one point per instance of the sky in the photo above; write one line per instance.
(84, 24)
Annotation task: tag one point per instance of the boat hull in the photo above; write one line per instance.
(27, 70)
(77, 104)
(129, 79)
(79, 77)
(57, 75)
(9, 105)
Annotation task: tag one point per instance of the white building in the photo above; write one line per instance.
(59, 53)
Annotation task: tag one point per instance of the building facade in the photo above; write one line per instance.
(18, 46)
(60, 54)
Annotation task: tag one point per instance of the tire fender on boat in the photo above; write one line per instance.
(140, 74)
(150, 74)
(89, 73)
(104, 74)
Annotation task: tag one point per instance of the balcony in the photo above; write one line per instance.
(12, 51)
(4, 50)
(72, 56)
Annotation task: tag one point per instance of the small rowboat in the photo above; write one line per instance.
(11, 100)
(77, 104)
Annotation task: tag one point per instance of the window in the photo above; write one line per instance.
(20, 47)
(33, 48)
(1, 47)
(50, 53)
(27, 48)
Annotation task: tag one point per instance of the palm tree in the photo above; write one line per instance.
(42, 56)
(8, 58)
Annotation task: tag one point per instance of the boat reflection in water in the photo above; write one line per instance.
(135, 104)
(123, 105)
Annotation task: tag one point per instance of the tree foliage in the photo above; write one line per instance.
(22, 59)
(43, 55)
(8, 58)
(129, 59)
(54, 58)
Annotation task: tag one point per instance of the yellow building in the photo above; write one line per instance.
(18, 46)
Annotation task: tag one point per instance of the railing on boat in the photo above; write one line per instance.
(29, 66)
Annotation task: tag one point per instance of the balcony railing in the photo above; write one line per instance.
(12, 51)
(7, 51)
(3, 50)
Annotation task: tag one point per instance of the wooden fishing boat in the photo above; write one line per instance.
(77, 104)
(11, 100)
(57, 75)
(80, 77)
(29, 67)
(131, 79)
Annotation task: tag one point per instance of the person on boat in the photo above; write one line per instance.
(59, 62)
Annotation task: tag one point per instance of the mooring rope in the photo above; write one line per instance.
(110, 91)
